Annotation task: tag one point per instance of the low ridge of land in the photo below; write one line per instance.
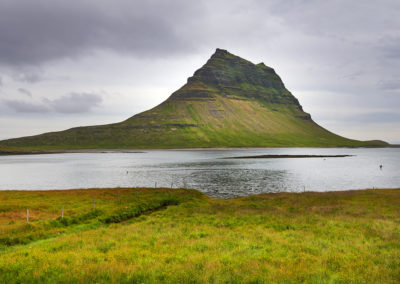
(288, 156)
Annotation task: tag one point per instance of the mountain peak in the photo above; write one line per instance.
(224, 54)
(221, 51)
(228, 75)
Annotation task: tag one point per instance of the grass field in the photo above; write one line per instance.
(182, 236)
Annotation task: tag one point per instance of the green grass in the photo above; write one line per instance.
(182, 236)
(4, 150)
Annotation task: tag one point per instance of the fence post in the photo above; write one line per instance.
(27, 215)
(62, 212)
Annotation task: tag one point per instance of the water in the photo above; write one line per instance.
(206, 171)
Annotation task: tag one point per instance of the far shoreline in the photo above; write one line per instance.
(143, 150)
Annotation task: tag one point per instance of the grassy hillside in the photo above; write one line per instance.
(182, 236)
(4, 150)
(229, 102)
(221, 122)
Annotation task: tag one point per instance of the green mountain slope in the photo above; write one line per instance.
(229, 102)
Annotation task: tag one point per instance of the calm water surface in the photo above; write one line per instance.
(206, 170)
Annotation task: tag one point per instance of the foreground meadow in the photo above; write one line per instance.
(181, 236)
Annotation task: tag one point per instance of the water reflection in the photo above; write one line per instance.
(238, 182)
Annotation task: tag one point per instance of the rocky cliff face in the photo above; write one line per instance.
(230, 76)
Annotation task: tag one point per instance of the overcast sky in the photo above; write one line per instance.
(75, 63)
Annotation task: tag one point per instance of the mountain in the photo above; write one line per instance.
(229, 102)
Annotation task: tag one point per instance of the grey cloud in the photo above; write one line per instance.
(389, 85)
(389, 46)
(369, 116)
(26, 107)
(374, 117)
(25, 92)
(340, 19)
(67, 104)
(33, 32)
(75, 103)
(27, 75)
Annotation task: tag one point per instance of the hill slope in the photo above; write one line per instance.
(229, 102)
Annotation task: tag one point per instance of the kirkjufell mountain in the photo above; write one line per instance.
(229, 102)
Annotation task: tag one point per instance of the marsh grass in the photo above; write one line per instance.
(182, 236)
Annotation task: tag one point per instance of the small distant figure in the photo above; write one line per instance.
(126, 172)
(380, 167)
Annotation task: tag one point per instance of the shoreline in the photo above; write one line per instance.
(253, 195)
(143, 150)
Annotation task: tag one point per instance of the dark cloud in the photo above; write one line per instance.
(33, 32)
(26, 107)
(25, 92)
(75, 103)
